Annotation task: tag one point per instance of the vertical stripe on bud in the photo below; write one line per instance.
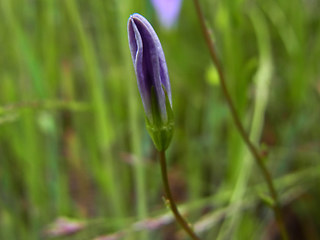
(153, 79)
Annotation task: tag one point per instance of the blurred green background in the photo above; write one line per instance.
(73, 141)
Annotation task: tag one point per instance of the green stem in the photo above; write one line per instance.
(172, 203)
(244, 135)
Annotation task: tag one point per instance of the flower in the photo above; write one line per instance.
(153, 79)
(167, 11)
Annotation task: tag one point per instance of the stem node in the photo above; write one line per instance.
(170, 201)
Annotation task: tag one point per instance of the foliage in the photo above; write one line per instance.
(72, 136)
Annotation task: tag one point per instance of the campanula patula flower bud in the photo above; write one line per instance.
(153, 79)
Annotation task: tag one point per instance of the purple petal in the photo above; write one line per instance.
(149, 63)
(136, 48)
(167, 11)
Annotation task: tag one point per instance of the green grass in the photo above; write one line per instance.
(73, 141)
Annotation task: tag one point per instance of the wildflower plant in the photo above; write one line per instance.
(154, 87)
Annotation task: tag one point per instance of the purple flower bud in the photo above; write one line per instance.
(149, 64)
(152, 77)
(167, 11)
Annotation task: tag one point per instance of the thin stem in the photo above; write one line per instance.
(172, 203)
(244, 135)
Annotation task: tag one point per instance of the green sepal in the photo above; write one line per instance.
(160, 131)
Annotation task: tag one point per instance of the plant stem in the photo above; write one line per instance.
(172, 203)
(244, 135)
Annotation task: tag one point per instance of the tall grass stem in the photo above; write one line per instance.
(235, 117)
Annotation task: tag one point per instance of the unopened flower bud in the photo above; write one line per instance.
(153, 79)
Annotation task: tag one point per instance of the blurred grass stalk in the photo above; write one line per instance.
(23, 56)
(237, 121)
(100, 110)
(123, 8)
(262, 80)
